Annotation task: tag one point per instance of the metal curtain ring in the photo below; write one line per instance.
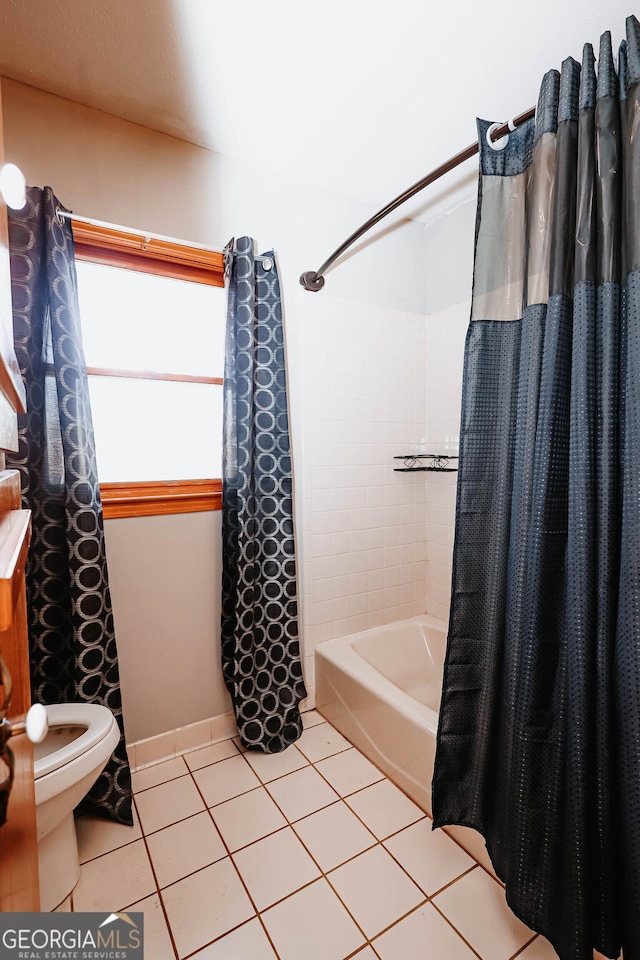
(497, 144)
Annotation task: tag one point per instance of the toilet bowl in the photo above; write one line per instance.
(80, 739)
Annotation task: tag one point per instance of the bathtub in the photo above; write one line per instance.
(381, 689)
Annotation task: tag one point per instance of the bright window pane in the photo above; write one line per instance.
(156, 429)
(138, 321)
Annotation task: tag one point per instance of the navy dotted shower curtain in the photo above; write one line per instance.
(539, 734)
(260, 643)
(72, 643)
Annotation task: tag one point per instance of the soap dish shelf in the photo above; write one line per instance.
(438, 463)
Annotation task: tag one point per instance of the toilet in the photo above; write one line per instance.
(67, 762)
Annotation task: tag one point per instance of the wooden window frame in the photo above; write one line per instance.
(116, 247)
(156, 497)
(130, 250)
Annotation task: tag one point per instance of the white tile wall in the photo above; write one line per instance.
(363, 526)
(445, 336)
(376, 546)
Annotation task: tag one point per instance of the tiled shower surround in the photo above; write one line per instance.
(311, 854)
(445, 336)
(364, 549)
(376, 544)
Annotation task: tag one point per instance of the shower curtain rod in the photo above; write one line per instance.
(314, 279)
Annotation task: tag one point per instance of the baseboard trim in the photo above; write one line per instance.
(173, 743)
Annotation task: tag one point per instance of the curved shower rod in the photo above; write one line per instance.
(314, 279)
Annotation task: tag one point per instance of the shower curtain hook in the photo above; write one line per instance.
(497, 144)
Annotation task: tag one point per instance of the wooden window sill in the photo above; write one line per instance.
(158, 497)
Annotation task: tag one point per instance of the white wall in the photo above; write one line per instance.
(449, 247)
(110, 169)
(165, 574)
(120, 172)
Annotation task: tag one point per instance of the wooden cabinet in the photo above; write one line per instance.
(18, 843)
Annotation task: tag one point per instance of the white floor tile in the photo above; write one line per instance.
(384, 808)
(334, 835)
(274, 867)
(429, 856)
(321, 741)
(226, 779)
(375, 890)
(311, 718)
(473, 842)
(206, 905)
(115, 880)
(97, 835)
(312, 925)
(541, 949)
(349, 771)
(184, 847)
(248, 942)
(269, 766)
(301, 793)
(211, 754)
(168, 803)
(476, 906)
(423, 935)
(157, 942)
(247, 818)
(158, 773)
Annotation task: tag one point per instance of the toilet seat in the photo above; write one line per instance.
(94, 723)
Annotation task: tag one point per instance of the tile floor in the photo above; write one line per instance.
(308, 855)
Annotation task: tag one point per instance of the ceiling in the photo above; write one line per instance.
(358, 97)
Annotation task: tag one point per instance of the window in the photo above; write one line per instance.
(152, 316)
